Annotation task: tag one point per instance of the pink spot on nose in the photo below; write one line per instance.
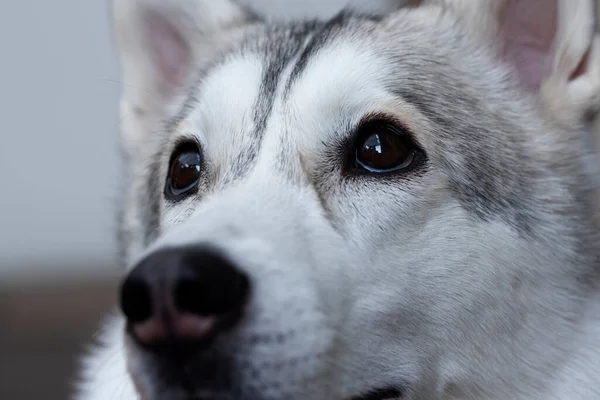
(179, 326)
(193, 327)
(151, 331)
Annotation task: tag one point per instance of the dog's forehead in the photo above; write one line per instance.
(296, 71)
(312, 66)
(330, 74)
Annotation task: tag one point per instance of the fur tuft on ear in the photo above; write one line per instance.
(161, 44)
(573, 85)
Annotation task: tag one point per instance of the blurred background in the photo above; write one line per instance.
(59, 176)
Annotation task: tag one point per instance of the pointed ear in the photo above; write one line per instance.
(550, 44)
(554, 49)
(572, 89)
(161, 44)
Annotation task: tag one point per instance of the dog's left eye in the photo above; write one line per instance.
(184, 171)
(383, 147)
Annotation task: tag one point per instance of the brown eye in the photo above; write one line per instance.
(383, 147)
(184, 171)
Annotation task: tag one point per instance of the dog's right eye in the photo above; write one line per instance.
(184, 171)
(382, 147)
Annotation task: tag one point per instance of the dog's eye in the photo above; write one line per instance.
(184, 171)
(383, 147)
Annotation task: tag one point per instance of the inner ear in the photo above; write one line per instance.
(582, 67)
(171, 52)
(528, 31)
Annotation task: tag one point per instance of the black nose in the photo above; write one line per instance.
(183, 295)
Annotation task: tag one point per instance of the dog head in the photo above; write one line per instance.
(384, 204)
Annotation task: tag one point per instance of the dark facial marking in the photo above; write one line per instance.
(282, 45)
(490, 182)
(150, 206)
(323, 34)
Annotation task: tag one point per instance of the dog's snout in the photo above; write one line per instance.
(183, 295)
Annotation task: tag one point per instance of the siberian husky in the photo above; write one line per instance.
(396, 203)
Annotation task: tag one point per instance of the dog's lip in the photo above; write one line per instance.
(388, 393)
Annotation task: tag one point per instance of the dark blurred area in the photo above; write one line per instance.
(44, 328)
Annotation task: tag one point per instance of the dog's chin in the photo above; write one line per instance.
(389, 393)
(181, 393)
(384, 394)
(220, 374)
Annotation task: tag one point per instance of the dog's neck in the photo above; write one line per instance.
(579, 377)
(568, 370)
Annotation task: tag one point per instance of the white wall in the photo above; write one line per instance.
(58, 124)
(58, 127)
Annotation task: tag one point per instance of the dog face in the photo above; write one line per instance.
(375, 206)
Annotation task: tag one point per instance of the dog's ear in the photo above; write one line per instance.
(550, 44)
(572, 89)
(161, 45)
(554, 49)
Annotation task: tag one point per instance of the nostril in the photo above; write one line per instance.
(210, 298)
(136, 301)
(188, 295)
(209, 285)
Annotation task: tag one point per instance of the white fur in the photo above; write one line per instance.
(373, 282)
(105, 368)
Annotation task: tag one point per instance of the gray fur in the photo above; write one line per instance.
(475, 276)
